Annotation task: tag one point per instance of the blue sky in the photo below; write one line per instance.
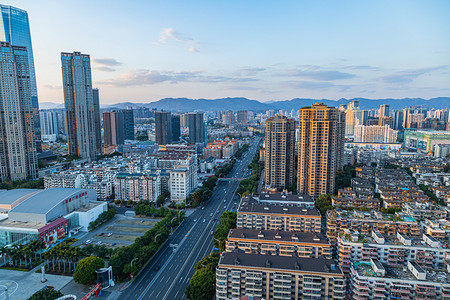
(142, 51)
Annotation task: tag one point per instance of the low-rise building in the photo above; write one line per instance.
(278, 277)
(374, 280)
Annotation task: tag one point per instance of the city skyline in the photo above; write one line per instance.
(269, 52)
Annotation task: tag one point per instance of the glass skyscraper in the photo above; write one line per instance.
(15, 30)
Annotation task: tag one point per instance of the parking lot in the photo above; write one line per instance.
(120, 231)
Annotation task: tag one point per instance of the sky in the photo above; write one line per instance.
(142, 51)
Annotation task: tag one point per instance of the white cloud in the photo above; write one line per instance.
(168, 34)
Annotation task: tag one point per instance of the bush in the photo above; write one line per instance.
(46, 294)
(227, 221)
(201, 285)
(85, 270)
(323, 203)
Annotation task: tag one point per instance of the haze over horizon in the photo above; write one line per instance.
(142, 52)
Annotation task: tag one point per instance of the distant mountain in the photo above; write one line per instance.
(186, 104)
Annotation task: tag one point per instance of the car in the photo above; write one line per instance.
(218, 211)
(113, 244)
(99, 243)
(203, 207)
(224, 207)
(101, 234)
(142, 221)
(233, 207)
(215, 220)
(212, 232)
(211, 215)
(195, 220)
(109, 234)
(88, 242)
(204, 220)
(224, 200)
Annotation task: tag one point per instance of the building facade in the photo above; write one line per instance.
(197, 128)
(163, 127)
(79, 105)
(49, 125)
(15, 30)
(279, 158)
(17, 140)
(320, 149)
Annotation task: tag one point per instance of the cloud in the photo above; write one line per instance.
(407, 76)
(52, 87)
(248, 71)
(193, 49)
(243, 88)
(314, 73)
(105, 69)
(315, 85)
(168, 34)
(141, 77)
(110, 62)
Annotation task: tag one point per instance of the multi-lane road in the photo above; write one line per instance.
(169, 271)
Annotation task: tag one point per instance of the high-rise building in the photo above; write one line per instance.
(398, 120)
(97, 124)
(17, 141)
(176, 129)
(242, 117)
(128, 123)
(320, 149)
(384, 110)
(15, 30)
(197, 128)
(163, 127)
(49, 125)
(118, 126)
(79, 105)
(229, 119)
(279, 158)
(354, 116)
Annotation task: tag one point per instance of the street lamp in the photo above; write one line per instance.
(131, 267)
(157, 236)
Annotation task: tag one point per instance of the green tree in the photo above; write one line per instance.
(46, 294)
(323, 203)
(85, 270)
(201, 285)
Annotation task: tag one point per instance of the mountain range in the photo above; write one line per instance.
(186, 104)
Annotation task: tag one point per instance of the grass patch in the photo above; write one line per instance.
(138, 222)
(127, 229)
(14, 269)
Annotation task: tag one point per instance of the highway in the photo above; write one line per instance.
(167, 274)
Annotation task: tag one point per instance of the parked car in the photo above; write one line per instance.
(99, 243)
(88, 242)
(101, 234)
(109, 234)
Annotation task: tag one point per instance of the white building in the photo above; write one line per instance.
(375, 134)
(179, 184)
(49, 125)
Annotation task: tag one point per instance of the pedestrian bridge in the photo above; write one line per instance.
(230, 179)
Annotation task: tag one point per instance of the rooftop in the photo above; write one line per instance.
(250, 205)
(90, 205)
(278, 235)
(7, 223)
(11, 196)
(320, 265)
(45, 200)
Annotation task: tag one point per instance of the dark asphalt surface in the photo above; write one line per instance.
(167, 274)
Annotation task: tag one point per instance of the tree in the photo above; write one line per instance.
(323, 203)
(46, 294)
(85, 270)
(201, 285)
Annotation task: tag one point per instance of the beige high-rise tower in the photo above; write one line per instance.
(279, 152)
(320, 149)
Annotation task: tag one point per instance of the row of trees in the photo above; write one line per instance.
(23, 255)
(227, 222)
(129, 260)
(241, 151)
(250, 185)
(162, 198)
(151, 210)
(22, 184)
(201, 286)
(103, 217)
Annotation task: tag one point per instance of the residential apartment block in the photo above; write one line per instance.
(137, 187)
(252, 214)
(278, 277)
(277, 242)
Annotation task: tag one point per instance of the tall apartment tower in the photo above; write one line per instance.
(17, 141)
(320, 149)
(163, 127)
(128, 123)
(176, 128)
(242, 117)
(279, 152)
(79, 104)
(15, 30)
(97, 123)
(197, 128)
(384, 110)
(49, 124)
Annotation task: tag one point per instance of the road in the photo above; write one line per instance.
(169, 271)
